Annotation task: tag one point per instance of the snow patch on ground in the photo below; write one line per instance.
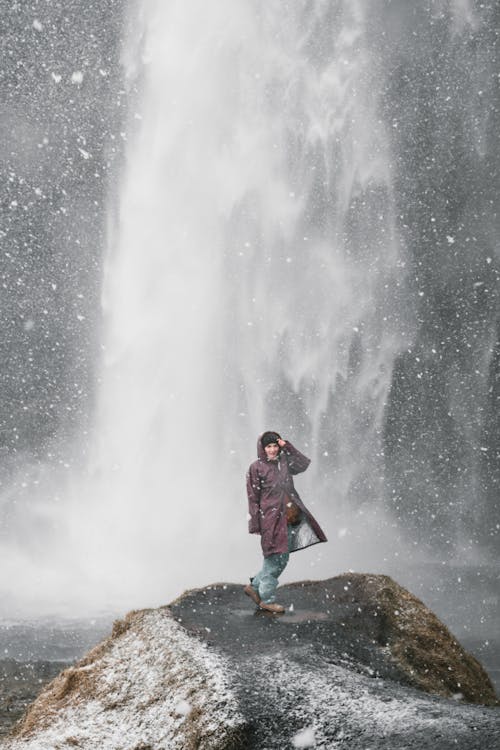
(153, 686)
(339, 708)
(304, 738)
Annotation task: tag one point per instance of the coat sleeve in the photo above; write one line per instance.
(253, 492)
(297, 462)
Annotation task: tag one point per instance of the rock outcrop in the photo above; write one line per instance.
(356, 661)
(422, 650)
(149, 685)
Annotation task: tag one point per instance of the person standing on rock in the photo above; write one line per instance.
(277, 513)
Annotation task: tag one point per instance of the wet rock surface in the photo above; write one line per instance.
(347, 663)
(356, 662)
(367, 621)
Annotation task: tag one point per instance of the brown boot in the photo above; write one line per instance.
(251, 592)
(276, 609)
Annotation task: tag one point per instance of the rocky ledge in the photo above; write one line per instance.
(356, 661)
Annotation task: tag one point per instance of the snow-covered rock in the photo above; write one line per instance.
(150, 685)
(355, 662)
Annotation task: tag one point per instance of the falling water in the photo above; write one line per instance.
(263, 271)
(256, 278)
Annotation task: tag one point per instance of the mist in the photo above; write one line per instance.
(231, 217)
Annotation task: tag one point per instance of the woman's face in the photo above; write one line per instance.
(272, 451)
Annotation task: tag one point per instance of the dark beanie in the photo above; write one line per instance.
(268, 438)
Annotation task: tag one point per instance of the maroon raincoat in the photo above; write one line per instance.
(268, 484)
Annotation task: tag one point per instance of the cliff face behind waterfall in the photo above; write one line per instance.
(442, 423)
(61, 103)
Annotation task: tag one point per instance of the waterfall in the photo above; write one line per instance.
(256, 278)
(291, 250)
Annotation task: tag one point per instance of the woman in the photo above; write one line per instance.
(278, 514)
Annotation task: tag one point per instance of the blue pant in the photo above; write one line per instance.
(265, 582)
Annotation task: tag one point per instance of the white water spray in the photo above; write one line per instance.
(255, 281)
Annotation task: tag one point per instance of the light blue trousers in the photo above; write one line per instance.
(265, 582)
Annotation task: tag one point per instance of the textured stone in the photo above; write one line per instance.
(355, 661)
